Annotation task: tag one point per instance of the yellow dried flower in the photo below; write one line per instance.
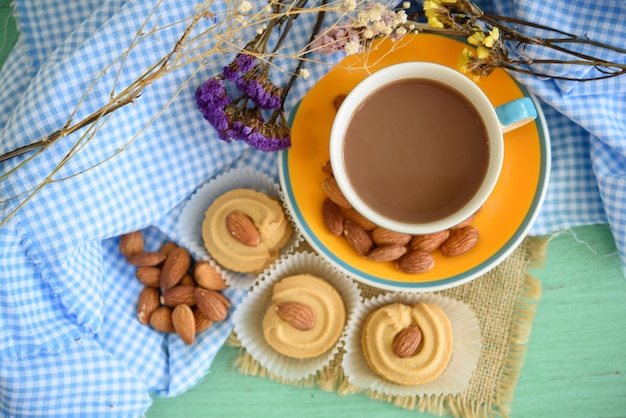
(466, 56)
(430, 5)
(468, 64)
(494, 35)
(476, 38)
(483, 52)
(434, 12)
(431, 10)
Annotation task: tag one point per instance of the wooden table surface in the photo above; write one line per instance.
(575, 365)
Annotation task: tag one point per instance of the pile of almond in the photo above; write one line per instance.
(180, 296)
(409, 253)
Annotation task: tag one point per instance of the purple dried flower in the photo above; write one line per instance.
(245, 62)
(261, 91)
(212, 94)
(212, 100)
(241, 118)
(265, 136)
(240, 65)
(230, 73)
(256, 139)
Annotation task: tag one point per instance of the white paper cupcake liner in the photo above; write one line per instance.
(465, 350)
(192, 216)
(248, 317)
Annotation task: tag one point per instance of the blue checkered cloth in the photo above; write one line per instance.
(70, 343)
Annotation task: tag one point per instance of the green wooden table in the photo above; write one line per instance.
(575, 365)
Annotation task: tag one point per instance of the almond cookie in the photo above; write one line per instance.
(407, 345)
(305, 318)
(244, 230)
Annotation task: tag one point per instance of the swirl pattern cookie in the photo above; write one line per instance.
(269, 220)
(385, 341)
(306, 316)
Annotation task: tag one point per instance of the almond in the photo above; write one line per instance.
(359, 219)
(406, 342)
(241, 227)
(461, 241)
(147, 304)
(146, 258)
(224, 299)
(383, 236)
(187, 280)
(131, 243)
(175, 267)
(332, 217)
(416, 262)
(207, 276)
(339, 100)
(167, 247)
(299, 315)
(357, 237)
(465, 222)
(327, 168)
(178, 295)
(148, 275)
(201, 321)
(429, 242)
(331, 188)
(161, 320)
(184, 323)
(210, 304)
(386, 253)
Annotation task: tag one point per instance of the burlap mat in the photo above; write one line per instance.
(504, 301)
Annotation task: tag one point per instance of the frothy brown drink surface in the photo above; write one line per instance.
(416, 151)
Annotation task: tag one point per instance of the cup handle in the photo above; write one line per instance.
(516, 113)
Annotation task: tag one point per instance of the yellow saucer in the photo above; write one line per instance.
(505, 218)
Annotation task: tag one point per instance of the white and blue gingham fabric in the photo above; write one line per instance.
(70, 343)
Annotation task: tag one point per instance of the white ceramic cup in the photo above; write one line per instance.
(496, 121)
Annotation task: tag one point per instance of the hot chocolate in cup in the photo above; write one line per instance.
(417, 147)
